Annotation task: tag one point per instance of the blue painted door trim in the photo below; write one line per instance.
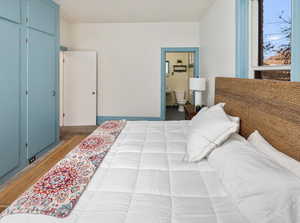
(163, 72)
(295, 74)
(242, 39)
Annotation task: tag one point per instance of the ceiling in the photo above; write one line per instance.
(109, 11)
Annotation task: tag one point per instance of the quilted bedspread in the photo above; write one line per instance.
(143, 179)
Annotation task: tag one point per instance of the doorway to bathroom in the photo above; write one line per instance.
(178, 66)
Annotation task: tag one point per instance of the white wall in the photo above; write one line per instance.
(65, 33)
(65, 40)
(129, 54)
(217, 39)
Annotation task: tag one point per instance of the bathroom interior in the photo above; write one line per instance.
(179, 69)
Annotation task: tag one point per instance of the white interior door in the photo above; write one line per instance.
(80, 88)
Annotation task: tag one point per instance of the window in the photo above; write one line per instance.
(271, 32)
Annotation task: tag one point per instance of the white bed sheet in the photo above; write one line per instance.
(144, 179)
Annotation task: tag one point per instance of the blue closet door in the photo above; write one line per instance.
(10, 104)
(41, 85)
(42, 15)
(11, 10)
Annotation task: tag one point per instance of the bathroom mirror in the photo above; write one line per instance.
(180, 68)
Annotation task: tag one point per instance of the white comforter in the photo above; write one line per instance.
(144, 179)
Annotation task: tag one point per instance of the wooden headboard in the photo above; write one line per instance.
(271, 107)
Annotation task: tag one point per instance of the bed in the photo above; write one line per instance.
(144, 177)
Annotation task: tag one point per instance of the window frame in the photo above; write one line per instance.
(243, 49)
(256, 38)
(260, 34)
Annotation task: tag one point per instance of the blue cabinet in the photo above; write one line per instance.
(28, 82)
(10, 102)
(42, 15)
(41, 86)
(11, 10)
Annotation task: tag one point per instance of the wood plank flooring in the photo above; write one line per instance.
(14, 188)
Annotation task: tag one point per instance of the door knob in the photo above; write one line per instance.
(93, 92)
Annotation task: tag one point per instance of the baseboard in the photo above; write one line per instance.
(101, 119)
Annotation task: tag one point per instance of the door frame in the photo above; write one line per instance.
(164, 51)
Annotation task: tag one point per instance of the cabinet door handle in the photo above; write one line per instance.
(93, 93)
(53, 93)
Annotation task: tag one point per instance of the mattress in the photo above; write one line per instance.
(144, 178)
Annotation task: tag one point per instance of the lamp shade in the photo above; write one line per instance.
(197, 84)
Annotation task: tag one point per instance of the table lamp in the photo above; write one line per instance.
(198, 85)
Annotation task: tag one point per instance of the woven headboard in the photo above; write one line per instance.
(271, 107)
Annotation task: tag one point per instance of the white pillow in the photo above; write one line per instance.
(220, 105)
(210, 130)
(264, 191)
(237, 120)
(196, 117)
(205, 109)
(266, 148)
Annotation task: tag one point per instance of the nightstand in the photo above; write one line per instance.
(190, 111)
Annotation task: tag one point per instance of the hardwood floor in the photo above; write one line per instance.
(67, 132)
(15, 187)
